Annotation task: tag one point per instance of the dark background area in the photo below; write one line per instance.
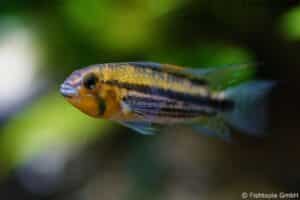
(48, 150)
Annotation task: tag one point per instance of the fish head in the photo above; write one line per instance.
(81, 89)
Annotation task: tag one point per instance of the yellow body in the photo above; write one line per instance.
(108, 91)
(141, 95)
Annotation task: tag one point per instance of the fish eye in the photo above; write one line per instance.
(90, 81)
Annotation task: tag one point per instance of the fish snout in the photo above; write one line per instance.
(67, 90)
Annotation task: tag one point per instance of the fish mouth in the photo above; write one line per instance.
(68, 90)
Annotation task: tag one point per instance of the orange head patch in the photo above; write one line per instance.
(82, 88)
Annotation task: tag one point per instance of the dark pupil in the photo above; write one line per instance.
(90, 82)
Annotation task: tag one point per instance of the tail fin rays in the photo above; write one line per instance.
(250, 113)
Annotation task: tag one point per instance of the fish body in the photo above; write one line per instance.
(141, 95)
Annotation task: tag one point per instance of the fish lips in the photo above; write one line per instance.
(68, 90)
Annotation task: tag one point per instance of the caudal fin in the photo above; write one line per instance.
(250, 113)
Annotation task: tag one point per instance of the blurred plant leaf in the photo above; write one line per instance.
(290, 24)
(123, 27)
(48, 122)
(205, 55)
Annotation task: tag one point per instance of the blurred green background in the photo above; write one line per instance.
(49, 150)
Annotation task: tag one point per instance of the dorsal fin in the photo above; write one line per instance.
(175, 70)
(218, 78)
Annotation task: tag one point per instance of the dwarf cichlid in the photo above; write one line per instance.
(147, 96)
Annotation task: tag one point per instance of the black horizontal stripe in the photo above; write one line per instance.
(159, 68)
(142, 104)
(148, 100)
(186, 111)
(178, 96)
(176, 111)
(153, 113)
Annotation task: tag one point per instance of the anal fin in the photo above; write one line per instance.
(213, 126)
(145, 128)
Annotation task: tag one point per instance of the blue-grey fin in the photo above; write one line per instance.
(145, 128)
(212, 126)
(250, 113)
(220, 78)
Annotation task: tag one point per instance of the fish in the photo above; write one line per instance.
(148, 97)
